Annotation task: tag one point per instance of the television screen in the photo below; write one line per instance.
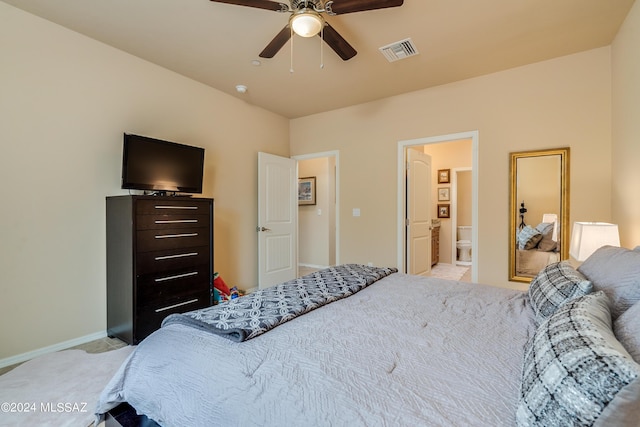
(161, 166)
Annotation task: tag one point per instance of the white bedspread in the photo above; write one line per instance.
(406, 351)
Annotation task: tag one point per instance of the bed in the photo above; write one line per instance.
(531, 261)
(537, 246)
(400, 350)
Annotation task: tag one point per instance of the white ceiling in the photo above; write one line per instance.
(215, 43)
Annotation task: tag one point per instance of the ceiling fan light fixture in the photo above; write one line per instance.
(306, 23)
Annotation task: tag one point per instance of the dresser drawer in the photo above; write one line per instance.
(171, 238)
(172, 206)
(148, 319)
(160, 221)
(171, 259)
(156, 288)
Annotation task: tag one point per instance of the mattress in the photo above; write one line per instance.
(407, 350)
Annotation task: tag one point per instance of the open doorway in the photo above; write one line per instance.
(442, 149)
(318, 225)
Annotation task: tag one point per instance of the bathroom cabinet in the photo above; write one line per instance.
(435, 245)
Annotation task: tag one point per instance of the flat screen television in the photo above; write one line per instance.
(161, 166)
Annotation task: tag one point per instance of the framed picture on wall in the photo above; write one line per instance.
(443, 176)
(307, 190)
(443, 194)
(443, 210)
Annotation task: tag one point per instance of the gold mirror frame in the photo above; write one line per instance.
(514, 206)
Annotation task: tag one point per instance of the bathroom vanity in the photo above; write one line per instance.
(435, 242)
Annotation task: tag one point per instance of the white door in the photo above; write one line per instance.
(418, 213)
(277, 220)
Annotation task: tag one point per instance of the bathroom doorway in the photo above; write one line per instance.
(451, 153)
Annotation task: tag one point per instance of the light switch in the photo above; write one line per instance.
(319, 212)
(356, 211)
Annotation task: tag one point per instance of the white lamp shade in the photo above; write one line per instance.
(589, 236)
(306, 24)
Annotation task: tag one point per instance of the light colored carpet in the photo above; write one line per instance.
(57, 389)
(448, 271)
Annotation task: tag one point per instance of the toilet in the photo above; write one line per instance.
(464, 244)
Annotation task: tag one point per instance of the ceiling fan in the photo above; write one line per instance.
(306, 19)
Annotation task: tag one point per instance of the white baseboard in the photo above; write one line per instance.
(319, 267)
(50, 349)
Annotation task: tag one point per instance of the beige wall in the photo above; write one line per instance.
(565, 101)
(464, 199)
(626, 129)
(66, 100)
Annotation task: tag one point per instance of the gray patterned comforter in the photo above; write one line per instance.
(248, 317)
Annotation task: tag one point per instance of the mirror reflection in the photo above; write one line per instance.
(539, 211)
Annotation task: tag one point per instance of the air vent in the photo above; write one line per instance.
(399, 50)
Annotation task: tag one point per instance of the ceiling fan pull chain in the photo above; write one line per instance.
(291, 64)
(322, 47)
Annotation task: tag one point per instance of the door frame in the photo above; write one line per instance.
(336, 154)
(401, 192)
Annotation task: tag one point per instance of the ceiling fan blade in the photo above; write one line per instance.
(340, 7)
(338, 43)
(276, 44)
(260, 4)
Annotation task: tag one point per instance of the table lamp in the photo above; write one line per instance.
(589, 236)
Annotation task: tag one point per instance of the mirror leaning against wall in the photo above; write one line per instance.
(538, 211)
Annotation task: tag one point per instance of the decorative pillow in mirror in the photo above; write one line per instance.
(528, 238)
(547, 244)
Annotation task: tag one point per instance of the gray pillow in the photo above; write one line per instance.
(627, 329)
(528, 238)
(553, 286)
(576, 373)
(616, 271)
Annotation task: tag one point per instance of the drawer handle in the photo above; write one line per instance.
(177, 276)
(158, 310)
(172, 236)
(175, 207)
(176, 221)
(162, 258)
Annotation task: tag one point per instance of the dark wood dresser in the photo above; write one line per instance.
(159, 261)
